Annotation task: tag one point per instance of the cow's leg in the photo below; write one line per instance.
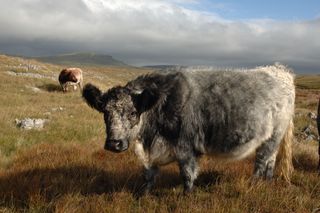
(149, 177)
(189, 172)
(188, 165)
(149, 180)
(80, 85)
(266, 157)
(64, 87)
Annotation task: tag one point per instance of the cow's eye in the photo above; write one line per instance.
(133, 114)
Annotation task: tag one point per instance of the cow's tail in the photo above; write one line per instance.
(285, 153)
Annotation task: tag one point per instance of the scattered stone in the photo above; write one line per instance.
(57, 109)
(312, 115)
(34, 89)
(310, 138)
(29, 74)
(26, 66)
(31, 123)
(307, 130)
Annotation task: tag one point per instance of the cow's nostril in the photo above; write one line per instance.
(116, 145)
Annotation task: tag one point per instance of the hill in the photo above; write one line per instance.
(308, 81)
(84, 59)
(162, 67)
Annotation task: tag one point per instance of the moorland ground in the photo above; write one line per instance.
(63, 167)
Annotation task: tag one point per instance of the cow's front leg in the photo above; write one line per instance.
(189, 172)
(150, 176)
(149, 180)
(63, 87)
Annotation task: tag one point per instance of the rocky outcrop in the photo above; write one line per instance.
(31, 123)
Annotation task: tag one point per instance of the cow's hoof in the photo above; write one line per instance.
(187, 191)
(141, 191)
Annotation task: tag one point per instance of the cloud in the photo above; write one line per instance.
(155, 32)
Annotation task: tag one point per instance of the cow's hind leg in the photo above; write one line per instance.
(266, 157)
(189, 172)
(80, 85)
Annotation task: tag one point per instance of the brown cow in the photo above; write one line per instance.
(70, 76)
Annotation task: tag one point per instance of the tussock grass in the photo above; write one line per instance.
(63, 167)
(84, 178)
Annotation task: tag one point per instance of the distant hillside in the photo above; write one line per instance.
(308, 81)
(162, 67)
(90, 59)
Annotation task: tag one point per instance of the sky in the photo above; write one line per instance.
(227, 33)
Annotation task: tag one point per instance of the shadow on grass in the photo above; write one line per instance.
(51, 87)
(17, 189)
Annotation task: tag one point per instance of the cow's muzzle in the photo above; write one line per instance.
(116, 145)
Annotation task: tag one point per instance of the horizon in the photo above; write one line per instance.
(184, 32)
(154, 66)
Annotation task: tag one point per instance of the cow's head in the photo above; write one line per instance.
(122, 108)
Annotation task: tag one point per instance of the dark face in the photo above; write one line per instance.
(122, 108)
(121, 119)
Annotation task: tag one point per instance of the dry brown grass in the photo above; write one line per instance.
(63, 167)
(84, 178)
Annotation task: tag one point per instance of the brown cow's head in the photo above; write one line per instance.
(122, 108)
(70, 77)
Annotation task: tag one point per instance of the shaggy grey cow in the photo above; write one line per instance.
(179, 116)
(318, 125)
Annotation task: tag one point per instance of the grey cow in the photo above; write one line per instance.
(318, 125)
(181, 115)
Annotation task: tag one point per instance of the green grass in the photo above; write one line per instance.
(63, 167)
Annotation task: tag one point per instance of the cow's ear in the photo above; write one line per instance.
(144, 99)
(92, 95)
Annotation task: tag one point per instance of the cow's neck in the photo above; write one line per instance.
(148, 129)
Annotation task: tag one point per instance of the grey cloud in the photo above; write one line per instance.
(155, 32)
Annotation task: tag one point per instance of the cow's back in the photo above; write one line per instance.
(234, 107)
(70, 75)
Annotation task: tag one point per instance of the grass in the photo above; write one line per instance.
(63, 168)
(308, 82)
(74, 178)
